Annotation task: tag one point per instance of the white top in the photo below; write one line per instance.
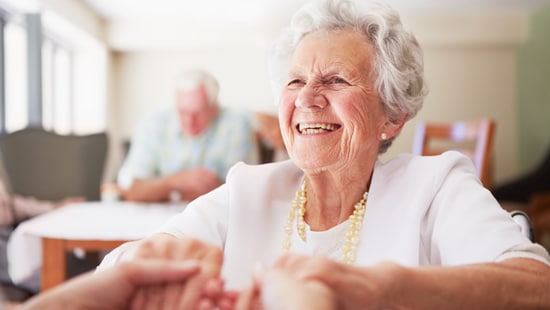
(420, 211)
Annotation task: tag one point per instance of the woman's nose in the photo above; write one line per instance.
(309, 98)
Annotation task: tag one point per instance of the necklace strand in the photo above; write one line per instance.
(355, 221)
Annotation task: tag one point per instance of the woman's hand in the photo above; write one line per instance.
(353, 287)
(203, 289)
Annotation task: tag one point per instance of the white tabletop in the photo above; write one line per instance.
(81, 221)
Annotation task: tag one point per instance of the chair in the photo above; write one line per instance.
(520, 189)
(51, 166)
(268, 138)
(539, 210)
(473, 138)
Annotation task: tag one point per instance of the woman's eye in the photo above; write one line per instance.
(337, 80)
(295, 82)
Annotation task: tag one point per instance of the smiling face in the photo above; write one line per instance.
(330, 113)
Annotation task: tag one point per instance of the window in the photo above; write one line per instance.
(15, 76)
(72, 85)
(57, 88)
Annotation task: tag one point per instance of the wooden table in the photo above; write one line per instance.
(54, 259)
(38, 246)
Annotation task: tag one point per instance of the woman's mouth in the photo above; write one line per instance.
(316, 128)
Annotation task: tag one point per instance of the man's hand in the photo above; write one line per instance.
(193, 183)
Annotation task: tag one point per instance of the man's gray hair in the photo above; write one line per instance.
(195, 78)
(398, 58)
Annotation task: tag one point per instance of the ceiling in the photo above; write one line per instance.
(144, 24)
(257, 10)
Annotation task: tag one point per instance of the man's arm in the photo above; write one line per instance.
(149, 190)
(189, 184)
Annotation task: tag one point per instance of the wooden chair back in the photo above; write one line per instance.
(472, 138)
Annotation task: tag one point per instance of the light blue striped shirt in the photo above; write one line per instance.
(159, 147)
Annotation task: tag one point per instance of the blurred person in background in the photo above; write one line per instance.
(184, 151)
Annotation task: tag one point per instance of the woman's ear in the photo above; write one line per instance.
(391, 129)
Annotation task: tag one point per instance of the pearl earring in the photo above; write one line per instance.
(383, 136)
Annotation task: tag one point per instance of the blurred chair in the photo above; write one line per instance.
(530, 192)
(51, 166)
(269, 138)
(473, 138)
(539, 209)
(521, 188)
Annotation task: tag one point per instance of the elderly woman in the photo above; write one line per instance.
(349, 77)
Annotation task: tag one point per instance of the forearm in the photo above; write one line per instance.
(26, 207)
(149, 190)
(513, 284)
(48, 300)
(84, 292)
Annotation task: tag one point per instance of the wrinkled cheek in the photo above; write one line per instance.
(350, 144)
(286, 108)
(287, 101)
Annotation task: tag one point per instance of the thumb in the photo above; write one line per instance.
(144, 272)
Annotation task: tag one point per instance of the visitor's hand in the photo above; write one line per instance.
(114, 287)
(278, 288)
(203, 288)
(195, 182)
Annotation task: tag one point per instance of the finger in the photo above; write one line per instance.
(160, 245)
(210, 255)
(247, 298)
(213, 288)
(158, 271)
(206, 304)
(227, 300)
(138, 300)
(193, 292)
(154, 297)
(213, 262)
(172, 293)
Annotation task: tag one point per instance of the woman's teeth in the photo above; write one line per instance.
(310, 129)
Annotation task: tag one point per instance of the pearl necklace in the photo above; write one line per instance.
(298, 209)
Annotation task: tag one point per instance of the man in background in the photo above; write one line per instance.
(186, 150)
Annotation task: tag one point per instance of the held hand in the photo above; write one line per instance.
(168, 247)
(114, 287)
(355, 287)
(195, 182)
(204, 288)
(278, 288)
